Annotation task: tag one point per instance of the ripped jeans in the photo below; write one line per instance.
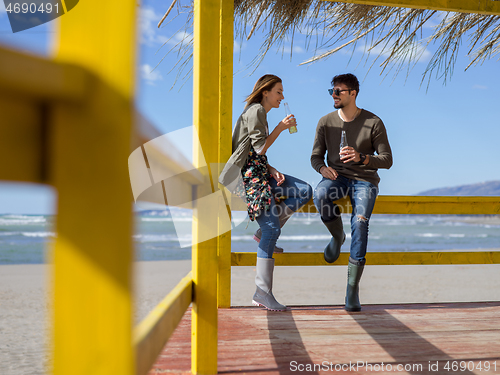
(362, 195)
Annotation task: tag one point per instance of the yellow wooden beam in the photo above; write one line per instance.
(423, 205)
(27, 85)
(488, 7)
(151, 335)
(205, 215)
(225, 128)
(90, 144)
(377, 258)
(23, 139)
(32, 77)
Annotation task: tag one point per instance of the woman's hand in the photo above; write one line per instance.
(278, 176)
(287, 122)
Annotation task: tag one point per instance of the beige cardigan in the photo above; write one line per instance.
(251, 130)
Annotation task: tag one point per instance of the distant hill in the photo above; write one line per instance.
(490, 188)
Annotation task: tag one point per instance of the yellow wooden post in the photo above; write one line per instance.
(206, 121)
(90, 144)
(225, 127)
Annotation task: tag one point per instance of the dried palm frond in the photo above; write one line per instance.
(396, 34)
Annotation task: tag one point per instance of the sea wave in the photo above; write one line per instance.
(313, 237)
(21, 220)
(156, 238)
(8, 233)
(450, 235)
(170, 219)
(39, 234)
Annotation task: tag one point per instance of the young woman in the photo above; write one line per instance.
(263, 184)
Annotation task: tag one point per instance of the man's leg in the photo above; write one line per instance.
(325, 193)
(363, 195)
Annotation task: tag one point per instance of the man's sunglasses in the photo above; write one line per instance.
(337, 91)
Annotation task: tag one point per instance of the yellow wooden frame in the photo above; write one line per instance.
(488, 7)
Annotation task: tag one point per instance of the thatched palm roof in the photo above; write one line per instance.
(399, 35)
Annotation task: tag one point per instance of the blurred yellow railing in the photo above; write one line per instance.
(151, 335)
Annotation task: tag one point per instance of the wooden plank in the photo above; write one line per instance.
(488, 7)
(376, 258)
(257, 341)
(151, 335)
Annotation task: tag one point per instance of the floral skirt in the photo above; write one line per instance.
(256, 182)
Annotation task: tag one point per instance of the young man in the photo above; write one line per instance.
(350, 171)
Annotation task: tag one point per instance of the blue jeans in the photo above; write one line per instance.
(362, 195)
(298, 193)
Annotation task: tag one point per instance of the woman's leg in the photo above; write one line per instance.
(296, 191)
(269, 224)
(270, 228)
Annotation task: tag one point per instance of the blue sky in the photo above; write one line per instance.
(444, 136)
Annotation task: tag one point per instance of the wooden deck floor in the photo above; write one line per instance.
(404, 339)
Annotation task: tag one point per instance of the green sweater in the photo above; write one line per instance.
(366, 134)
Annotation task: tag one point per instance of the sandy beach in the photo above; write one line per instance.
(24, 307)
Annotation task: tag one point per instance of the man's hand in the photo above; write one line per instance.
(348, 154)
(278, 176)
(328, 172)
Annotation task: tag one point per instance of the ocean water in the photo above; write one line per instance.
(25, 238)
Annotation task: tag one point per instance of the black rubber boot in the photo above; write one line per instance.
(332, 250)
(354, 272)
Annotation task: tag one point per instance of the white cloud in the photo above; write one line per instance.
(295, 49)
(480, 87)
(419, 50)
(238, 46)
(435, 20)
(148, 21)
(2, 9)
(149, 75)
(178, 39)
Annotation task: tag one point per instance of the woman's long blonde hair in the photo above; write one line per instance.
(264, 83)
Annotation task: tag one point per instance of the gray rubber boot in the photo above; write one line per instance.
(286, 213)
(264, 280)
(336, 229)
(354, 272)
